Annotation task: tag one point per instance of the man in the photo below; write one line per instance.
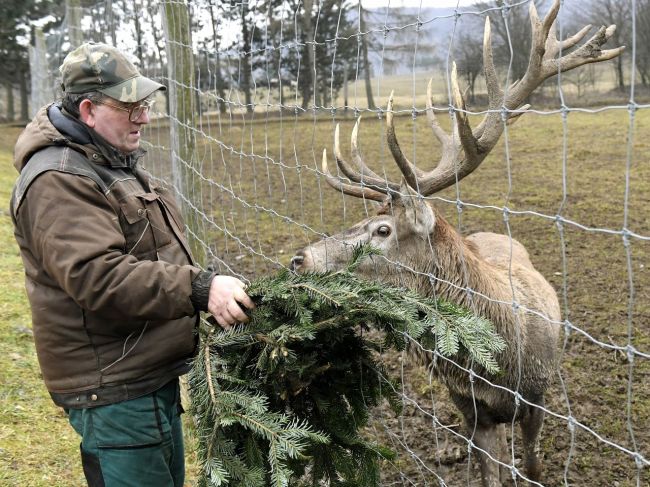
(114, 294)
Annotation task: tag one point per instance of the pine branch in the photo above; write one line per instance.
(283, 399)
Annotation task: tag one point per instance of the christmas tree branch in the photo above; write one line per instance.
(284, 399)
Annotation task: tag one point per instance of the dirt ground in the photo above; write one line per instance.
(571, 186)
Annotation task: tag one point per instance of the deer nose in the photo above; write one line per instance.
(296, 261)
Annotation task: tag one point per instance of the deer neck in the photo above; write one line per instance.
(465, 278)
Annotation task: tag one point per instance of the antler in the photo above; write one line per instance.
(465, 149)
(369, 184)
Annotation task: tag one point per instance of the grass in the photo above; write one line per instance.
(37, 446)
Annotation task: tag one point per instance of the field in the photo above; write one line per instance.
(261, 196)
(569, 193)
(37, 447)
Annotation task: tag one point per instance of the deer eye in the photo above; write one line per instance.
(383, 230)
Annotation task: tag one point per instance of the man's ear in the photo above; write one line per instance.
(418, 212)
(87, 112)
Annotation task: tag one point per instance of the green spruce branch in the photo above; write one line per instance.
(283, 400)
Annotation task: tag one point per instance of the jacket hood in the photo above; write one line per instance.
(38, 134)
(53, 126)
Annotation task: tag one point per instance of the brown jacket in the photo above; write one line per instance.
(108, 271)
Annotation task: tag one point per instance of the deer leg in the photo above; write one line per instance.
(486, 438)
(502, 455)
(531, 425)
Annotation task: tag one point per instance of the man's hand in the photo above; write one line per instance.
(226, 297)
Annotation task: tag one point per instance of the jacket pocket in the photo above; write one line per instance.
(143, 225)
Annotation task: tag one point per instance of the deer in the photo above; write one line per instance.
(488, 273)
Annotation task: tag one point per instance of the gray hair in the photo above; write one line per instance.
(71, 101)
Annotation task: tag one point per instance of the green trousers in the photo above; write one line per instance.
(136, 443)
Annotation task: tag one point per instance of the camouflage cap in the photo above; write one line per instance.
(100, 67)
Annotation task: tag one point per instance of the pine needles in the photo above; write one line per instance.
(282, 400)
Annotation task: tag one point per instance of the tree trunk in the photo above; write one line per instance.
(644, 77)
(110, 20)
(316, 95)
(245, 73)
(11, 114)
(346, 71)
(619, 73)
(218, 77)
(24, 96)
(159, 51)
(137, 8)
(472, 88)
(42, 86)
(366, 63)
(73, 14)
(307, 83)
(154, 33)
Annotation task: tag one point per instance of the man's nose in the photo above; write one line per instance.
(144, 118)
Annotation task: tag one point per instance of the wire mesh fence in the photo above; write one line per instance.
(255, 92)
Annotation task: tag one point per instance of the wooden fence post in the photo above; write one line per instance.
(42, 91)
(182, 110)
(73, 17)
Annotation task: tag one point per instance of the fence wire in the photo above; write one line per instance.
(267, 84)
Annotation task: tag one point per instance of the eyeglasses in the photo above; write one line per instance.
(135, 111)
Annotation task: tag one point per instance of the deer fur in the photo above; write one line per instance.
(499, 272)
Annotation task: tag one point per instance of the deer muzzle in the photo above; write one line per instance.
(297, 261)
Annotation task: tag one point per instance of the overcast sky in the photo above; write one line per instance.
(416, 3)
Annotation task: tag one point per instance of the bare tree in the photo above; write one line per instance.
(216, 39)
(607, 12)
(306, 82)
(364, 52)
(110, 21)
(469, 61)
(137, 9)
(511, 30)
(582, 79)
(245, 55)
(157, 39)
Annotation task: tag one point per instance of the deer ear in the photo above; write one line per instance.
(417, 211)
